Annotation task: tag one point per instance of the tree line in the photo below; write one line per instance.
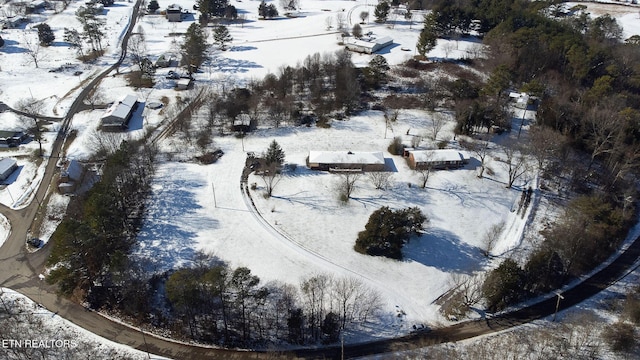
(91, 245)
(215, 303)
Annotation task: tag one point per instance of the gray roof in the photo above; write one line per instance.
(346, 157)
(6, 164)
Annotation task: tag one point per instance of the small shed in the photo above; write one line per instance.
(346, 160)
(183, 83)
(163, 61)
(117, 116)
(174, 13)
(7, 167)
(435, 159)
(242, 123)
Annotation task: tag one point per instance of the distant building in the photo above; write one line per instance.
(174, 13)
(183, 83)
(346, 161)
(12, 138)
(242, 123)
(435, 159)
(70, 177)
(117, 116)
(163, 61)
(7, 167)
(367, 46)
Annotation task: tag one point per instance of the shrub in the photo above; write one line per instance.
(396, 147)
(504, 286)
(620, 337)
(388, 230)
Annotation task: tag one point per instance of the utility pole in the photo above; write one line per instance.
(215, 203)
(557, 305)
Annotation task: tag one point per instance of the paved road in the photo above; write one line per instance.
(19, 270)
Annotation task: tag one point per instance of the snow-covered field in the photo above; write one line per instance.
(304, 229)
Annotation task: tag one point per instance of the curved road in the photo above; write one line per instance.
(20, 271)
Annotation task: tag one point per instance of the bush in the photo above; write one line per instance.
(396, 147)
(388, 230)
(504, 286)
(620, 337)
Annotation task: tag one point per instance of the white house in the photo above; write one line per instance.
(367, 46)
(117, 116)
(435, 159)
(346, 160)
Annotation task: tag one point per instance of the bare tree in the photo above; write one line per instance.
(491, 237)
(271, 177)
(347, 184)
(364, 15)
(448, 48)
(479, 148)
(341, 20)
(314, 295)
(424, 173)
(603, 127)
(544, 143)
(33, 47)
(328, 21)
(515, 162)
(380, 179)
(96, 96)
(31, 110)
(103, 144)
(438, 121)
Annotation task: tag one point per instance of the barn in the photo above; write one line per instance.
(435, 159)
(346, 160)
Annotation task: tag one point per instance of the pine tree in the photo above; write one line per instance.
(45, 34)
(428, 36)
(275, 154)
(221, 36)
(153, 6)
(72, 36)
(388, 230)
(381, 11)
(194, 48)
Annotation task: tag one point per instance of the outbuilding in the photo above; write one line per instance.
(174, 13)
(346, 161)
(7, 167)
(368, 46)
(117, 116)
(12, 138)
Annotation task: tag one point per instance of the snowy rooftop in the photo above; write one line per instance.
(122, 108)
(346, 157)
(436, 155)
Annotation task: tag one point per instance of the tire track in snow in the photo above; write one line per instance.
(327, 262)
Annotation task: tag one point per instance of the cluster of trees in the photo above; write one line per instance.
(92, 30)
(267, 11)
(388, 230)
(218, 304)
(329, 84)
(90, 247)
(588, 231)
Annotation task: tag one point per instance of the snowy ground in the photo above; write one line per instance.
(307, 230)
(27, 323)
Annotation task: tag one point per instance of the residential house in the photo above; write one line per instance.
(367, 46)
(70, 177)
(435, 159)
(174, 13)
(346, 161)
(117, 116)
(12, 138)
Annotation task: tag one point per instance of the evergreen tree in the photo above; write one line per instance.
(1, 41)
(388, 230)
(45, 34)
(92, 26)
(194, 48)
(213, 8)
(428, 36)
(72, 36)
(376, 72)
(267, 11)
(275, 154)
(356, 31)
(381, 11)
(153, 6)
(221, 36)
(504, 286)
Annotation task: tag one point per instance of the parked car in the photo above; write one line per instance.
(172, 75)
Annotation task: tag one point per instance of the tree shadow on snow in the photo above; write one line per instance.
(443, 250)
(167, 237)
